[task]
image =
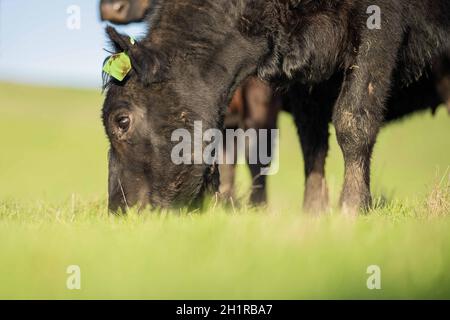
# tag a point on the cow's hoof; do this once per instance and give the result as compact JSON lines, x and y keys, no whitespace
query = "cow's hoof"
{"x":317,"y":207}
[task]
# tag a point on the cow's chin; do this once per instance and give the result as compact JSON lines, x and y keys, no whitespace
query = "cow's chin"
{"x":180,"y":187}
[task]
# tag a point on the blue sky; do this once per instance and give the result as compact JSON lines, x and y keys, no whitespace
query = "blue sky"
{"x":36,"y":46}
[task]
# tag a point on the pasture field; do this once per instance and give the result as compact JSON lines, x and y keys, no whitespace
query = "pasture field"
{"x":53,"y":214}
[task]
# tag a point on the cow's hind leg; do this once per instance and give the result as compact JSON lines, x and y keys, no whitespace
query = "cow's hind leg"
{"x":312,"y":114}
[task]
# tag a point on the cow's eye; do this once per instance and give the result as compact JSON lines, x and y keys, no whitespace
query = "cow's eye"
{"x":123,"y":122}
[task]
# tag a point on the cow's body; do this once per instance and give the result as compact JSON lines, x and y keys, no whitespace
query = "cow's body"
{"x":318,"y":50}
{"x":382,"y":74}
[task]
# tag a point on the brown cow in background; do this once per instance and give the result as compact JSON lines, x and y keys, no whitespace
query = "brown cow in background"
{"x":254,"y":104}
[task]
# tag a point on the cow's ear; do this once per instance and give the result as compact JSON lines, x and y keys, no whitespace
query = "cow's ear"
{"x":120,"y":42}
{"x":149,"y":64}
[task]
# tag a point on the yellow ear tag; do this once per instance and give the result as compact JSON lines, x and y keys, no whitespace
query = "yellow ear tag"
{"x":118,"y":66}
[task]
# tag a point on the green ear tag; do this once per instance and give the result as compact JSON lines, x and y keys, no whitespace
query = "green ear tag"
{"x":118,"y":66}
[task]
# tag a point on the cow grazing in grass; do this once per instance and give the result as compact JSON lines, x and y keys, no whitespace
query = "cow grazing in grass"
{"x":198,"y":53}
{"x":254,"y":105}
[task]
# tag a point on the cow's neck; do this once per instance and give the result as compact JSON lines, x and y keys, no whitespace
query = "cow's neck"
{"x":212,"y":54}
{"x":214,"y":80}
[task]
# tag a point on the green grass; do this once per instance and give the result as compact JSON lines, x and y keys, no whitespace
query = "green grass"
{"x":53,"y":214}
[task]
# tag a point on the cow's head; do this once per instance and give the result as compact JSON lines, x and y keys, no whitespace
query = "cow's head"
{"x":124,"y":11}
{"x":140,"y":116}
{"x":184,"y":72}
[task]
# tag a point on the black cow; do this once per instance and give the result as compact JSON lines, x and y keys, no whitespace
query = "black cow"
{"x":254,"y":106}
{"x":198,"y":52}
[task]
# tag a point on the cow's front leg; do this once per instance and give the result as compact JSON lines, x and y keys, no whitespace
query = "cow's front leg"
{"x":357,"y":117}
